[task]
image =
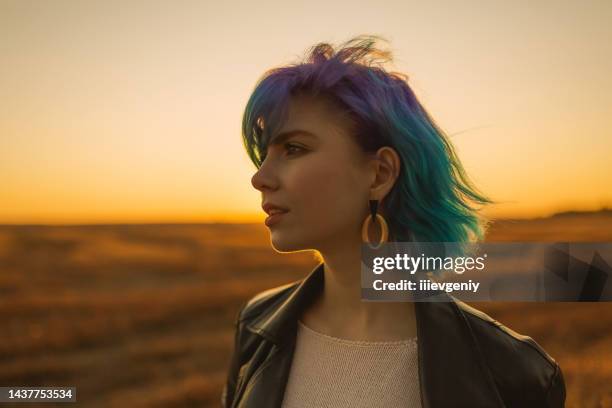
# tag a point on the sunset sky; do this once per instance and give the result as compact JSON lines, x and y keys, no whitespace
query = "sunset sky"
{"x":130,"y":111}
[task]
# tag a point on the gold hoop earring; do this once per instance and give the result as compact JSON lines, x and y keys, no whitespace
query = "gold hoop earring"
{"x":384,"y":229}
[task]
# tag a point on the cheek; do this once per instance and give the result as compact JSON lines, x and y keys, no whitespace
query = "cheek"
{"x":330,"y":194}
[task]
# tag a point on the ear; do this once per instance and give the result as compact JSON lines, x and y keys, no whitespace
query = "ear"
{"x":387,"y":168}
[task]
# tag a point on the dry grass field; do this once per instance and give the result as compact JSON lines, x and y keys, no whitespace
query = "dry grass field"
{"x":141,"y":315}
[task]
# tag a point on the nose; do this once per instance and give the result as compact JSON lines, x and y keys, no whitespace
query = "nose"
{"x":264,"y":179}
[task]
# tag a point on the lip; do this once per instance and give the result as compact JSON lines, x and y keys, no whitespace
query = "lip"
{"x":274,"y":218}
{"x":267,"y":207}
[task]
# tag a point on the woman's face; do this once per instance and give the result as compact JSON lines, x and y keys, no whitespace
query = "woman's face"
{"x":315,"y":170}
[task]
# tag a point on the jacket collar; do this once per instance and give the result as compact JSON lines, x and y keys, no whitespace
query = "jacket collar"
{"x":452,"y":368}
{"x":280,"y":325}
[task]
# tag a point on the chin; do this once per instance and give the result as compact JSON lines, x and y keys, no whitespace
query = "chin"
{"x":282,"y":243}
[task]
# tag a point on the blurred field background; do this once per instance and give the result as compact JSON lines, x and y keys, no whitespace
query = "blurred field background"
{"x":142,"y":315}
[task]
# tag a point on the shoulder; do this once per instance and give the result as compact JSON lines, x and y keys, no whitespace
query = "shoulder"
{"x":524,"y":372}
{"x":266,"y":300}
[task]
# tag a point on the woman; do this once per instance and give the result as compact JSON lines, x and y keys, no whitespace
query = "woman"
{"x":329,"y":136}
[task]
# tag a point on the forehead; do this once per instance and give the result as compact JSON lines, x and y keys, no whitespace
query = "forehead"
{"x":317,"y":115}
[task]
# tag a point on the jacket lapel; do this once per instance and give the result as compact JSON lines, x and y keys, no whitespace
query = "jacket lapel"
{"x":279,"y":328}
{"x":267,"y":386}
{"x":452,"y":370}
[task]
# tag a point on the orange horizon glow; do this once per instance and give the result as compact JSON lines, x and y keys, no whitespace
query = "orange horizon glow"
{"x":253,"y":218}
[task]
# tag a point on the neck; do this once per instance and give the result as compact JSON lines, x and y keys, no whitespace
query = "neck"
{"x":340,"y":312}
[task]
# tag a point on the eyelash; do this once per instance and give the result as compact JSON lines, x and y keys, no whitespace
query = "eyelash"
{"x":287,"y":146}
{"x":291,"y":145}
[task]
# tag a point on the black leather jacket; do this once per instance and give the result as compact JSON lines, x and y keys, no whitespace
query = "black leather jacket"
{"x":466,"y":358}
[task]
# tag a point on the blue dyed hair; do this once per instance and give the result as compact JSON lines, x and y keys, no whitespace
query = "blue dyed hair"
{"x":432,"y":200}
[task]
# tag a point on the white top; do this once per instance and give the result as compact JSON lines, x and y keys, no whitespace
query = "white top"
{"x":330,"y":372}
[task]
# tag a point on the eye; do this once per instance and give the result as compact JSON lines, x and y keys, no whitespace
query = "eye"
{"x":293,"y":148}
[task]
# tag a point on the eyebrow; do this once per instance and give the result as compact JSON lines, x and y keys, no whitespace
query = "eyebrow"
{"x":283,"y":136}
